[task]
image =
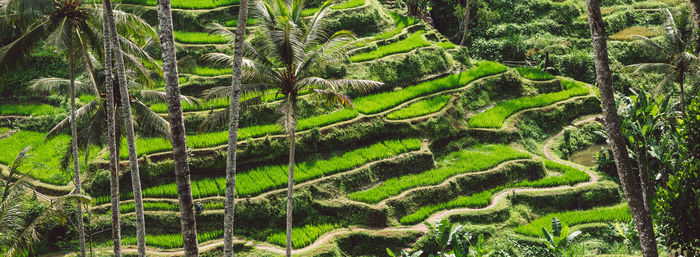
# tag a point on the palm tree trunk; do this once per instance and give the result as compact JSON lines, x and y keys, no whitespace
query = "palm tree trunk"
{"x":695,"y":8}
{"x":629,"y":182}
{"x":466,"y":24}
{"x":74,"y":146}
{"x":681,"y":81}
{"x":230,"y":205}
{"x":112,"y":141}
{"x":130,"y":138}
{"x":643,"y":176}
{"x":290,"y":186}
{"x":177,"y":129}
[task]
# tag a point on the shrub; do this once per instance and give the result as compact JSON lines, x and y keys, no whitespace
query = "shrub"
{"x":570,"y":218}
{"x":409,"y":68}
{"x":420,"y":108}
{"x":472,"y":160}
{"x":382,"y":101}
{"x":416,"y":40}
{"x":301,"y":237}
{"x":199,"y":38}
{"x":534,"y":74}
{"x":494,"y":117}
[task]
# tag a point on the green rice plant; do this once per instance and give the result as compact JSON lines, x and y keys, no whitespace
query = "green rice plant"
{"x":211,"y":139}
{"x":445,"y":45}
{"x":401,"y":23}
{"x":383,"y":101}
{"x":151,"y":206}
{"x":234,"y":23}
{"x":28,"y":109}
{"x":494,"y":117}
{"x":618,"y":213}
{"x":170,"y":241}
{"x":44,"y":161}
{"x":180,"y":4}
{"x":570,"y":176}
{"x":631,"y":33}
{"x":302,"y":237}
{"x":534,"y":74}
{"x":414,"y":41}
{"x":210,"y":72}
{"x":4,"y":130}
{"x":215,"y":103}
{"x":420,"y":108}
{"x":199,"y":38}
{"x":479,"y":158}
{"x":344,"y":5}
{"x":86,"y":98}
{"x":264,"y":178}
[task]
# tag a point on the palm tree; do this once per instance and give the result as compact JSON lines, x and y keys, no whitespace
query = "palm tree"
{"x":234,"y":110}
{"x":20,"y":230}
{"x":695,"y":6}
{"x":188,"y":223}
{"x":630,"y":183}
{"x":285,"y":60}
{"x":680,"y":65}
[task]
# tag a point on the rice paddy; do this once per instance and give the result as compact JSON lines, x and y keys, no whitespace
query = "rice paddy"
{"x":494,"y":117}
{"x":401,"y":23}
{"x":414,"y":41}
{"x":631,"y":33}
{"x":234,"y":23}
{"x":344,"y":5}
{"x":170,"y":241}
{"x":420,"y":108}
{"x":184,"y":4}
{"x":534,"y":74}
{"x":476,"y":159}
{"x":28,"y":109}
{"x":618,"y":212}
{"x":199,"y":38}
{"x":570,"y":176}
{"x":210,"y":72}
{"x":445,"y":45}
{"x":383,"y":101}
{"x":302,"y":237}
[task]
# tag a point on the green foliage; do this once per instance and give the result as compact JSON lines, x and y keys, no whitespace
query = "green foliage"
{"x":534,"y":74}
{"x":476,"y":159}
{"x":414,"y":41}
{"x":559,"y":238}
{"x":199,"y":38}
{"x":494,"y":117}
{"x":570,"y":176}
{"x":445,"y":45}
{"x":410,"y":68}
{"x":301,"y":237}
{"x":28,"y":109}
{"x":208,"y":71}
{"x":382,"y":101}
{"x":183,"y":4}
{"x":401,"y":23}
{"x":234,"y":23}
{"x":211,"y":139}
{"x":170,"y":241}
{"x":420,"y":108}
{"x":615,"y":213}
{"x":345,"y":5}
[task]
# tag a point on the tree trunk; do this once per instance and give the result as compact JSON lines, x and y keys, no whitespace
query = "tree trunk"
{"x":177,"y":129}
{"x":290,"y":185}
{"x":230,"y":205}
{"x":128,"y":122}
{"x":74,"y":146}
{"x":629,"y":182}
{"x":466,"y":24}
{"x":643,"y":176}
{"x":112,"y":141}
{"x":695,"y":8}
{"x":681,"y":81}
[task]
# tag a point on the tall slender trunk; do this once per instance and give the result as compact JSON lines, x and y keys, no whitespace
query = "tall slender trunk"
{"x":74,"y":146}
{"x":177,"y":129}
{"x":695,"y":8}
{"x":234,"y":110}
{"x":643,"y":176}
{"x":112,"y":141}
{"x":466,"y":24}
{"x":129,"y":127}
{"x":290,"y":186}
{"x":681,"y":81}
{"x":629,"y":182}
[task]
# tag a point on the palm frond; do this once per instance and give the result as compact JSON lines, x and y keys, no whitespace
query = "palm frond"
{"x":654,"y":46}
{"x":361,"y":86}
{"x":83,"y":113}
{"x":288,"y":118}
{"x":59,"y":85}
{"x":648,"y":67}
{"x":150,"y":120}
{"x":160,"y":96}
{"x":332,"y":97}
{"x":16,"y":52}
{"x":218,"y":29}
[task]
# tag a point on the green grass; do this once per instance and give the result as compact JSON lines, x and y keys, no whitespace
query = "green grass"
{"x":181,"y":4}
{"x":301,"y":237}
{"x":420,"y":108}
{"x":215,"y":103}
{"x":212,"y":139}
{"x":383,"y":101}
{"x":169,"y":241}
{"x":568,"y":176}
{"x":199,"y":38}
{"x":234,"y":23}
{"x":401,"y":23}
{"x":414,"y":41}
{"x":28,"y":109}
{"x":210,"y":72}
{"x":4,"y":130}
{"x":619,"y":212}
{"x":494,"y":117}
{"x":265,"y":178}
{"x":534,"y":74}
{"x":445,"y":45}
{"x":44,"y":160}
{"x":345,"y":5}
{"x":476,"y":159}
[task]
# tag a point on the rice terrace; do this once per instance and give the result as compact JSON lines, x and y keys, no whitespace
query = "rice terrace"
{"x":402,"y":128}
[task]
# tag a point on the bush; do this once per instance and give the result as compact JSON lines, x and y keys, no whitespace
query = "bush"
{"x":570,"y":218}
{"x":411,"y":67}
{"x":362,"y":23}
